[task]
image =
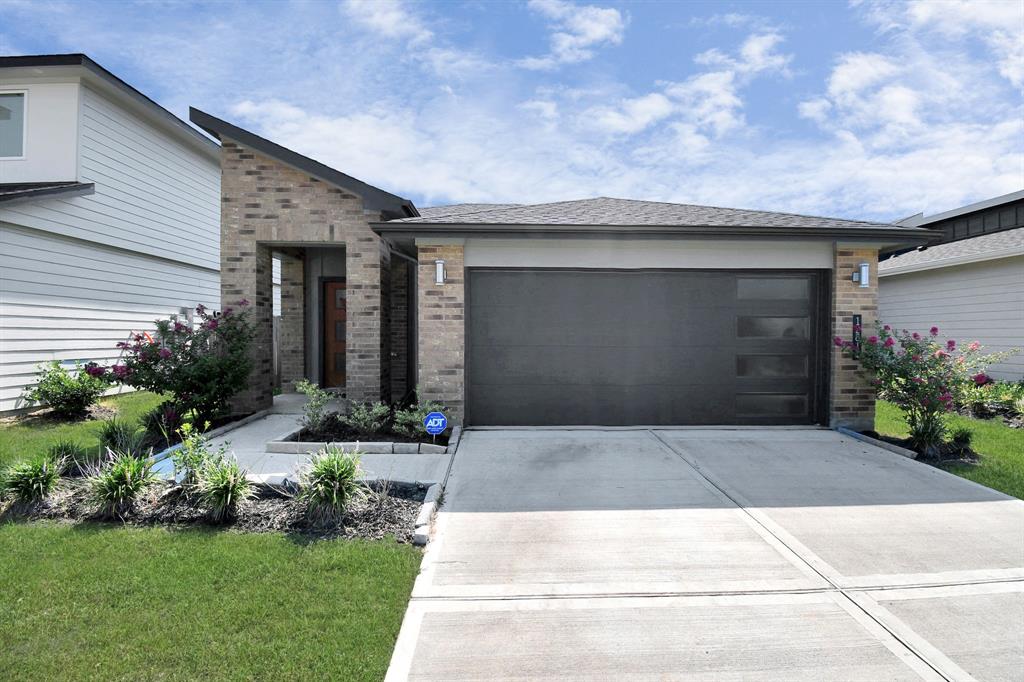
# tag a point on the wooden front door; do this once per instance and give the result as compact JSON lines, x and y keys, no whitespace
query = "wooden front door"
{"x":334,"y":333}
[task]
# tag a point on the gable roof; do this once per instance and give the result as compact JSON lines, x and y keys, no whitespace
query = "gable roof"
{"x":374,"y":198}
{"x":609,"y":217}
{"x":26,"y":191}
{"x":981,"y":248}
{"x":631,"y":212}
{"x":100,"y":77}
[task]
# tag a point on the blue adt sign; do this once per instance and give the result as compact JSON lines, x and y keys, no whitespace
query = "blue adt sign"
{"x":435,"y":423}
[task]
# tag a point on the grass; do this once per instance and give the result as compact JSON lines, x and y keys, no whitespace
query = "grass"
{"x":1001,"y":448}
{"x":30,"y":435}
{"x":120,"y":603}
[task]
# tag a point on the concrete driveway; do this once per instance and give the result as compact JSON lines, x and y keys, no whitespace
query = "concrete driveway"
{"x":712,"y":554}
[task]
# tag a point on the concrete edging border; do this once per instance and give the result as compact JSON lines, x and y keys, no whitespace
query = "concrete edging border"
{"x":283,"y":445}
{"x":896,"y":449}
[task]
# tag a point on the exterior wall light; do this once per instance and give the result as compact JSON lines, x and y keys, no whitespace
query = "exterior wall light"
{"x":439,"y":272}
{"x":863,"y":275}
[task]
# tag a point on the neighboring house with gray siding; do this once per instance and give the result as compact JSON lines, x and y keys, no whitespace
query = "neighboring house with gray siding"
{"x":971,"y":285}
{"x":109,"y":215}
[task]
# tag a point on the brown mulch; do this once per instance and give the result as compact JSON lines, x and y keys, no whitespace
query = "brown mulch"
{"x":339,"y":433}
{"x":379,"y":513}
{"x":949,"y":453}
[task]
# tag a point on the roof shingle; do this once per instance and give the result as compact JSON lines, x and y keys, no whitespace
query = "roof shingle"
{"x":1008,"y":242}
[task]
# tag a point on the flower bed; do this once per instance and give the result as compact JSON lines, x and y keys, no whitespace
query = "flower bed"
{"x":384,"y":510}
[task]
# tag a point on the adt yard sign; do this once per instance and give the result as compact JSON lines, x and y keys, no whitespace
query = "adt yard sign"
{"x":435,"y":423}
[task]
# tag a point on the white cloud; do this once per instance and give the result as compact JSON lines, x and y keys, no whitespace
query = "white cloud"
{"x":577,"y":30}
{"x":389,"y":18}
{"x":630,"y":115}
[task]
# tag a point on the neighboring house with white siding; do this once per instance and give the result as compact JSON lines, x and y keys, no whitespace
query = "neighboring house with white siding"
{"x":109,"y":215}
{"x":971,"y":285}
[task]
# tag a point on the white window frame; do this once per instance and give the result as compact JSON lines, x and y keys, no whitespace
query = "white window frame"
{"x":24,"y":127}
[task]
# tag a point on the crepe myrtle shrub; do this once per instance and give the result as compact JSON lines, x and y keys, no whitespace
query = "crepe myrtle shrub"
{"x":70,"y":394}
{"x":330,"y":483}
{"x":921,"y":374}
{"x":202,"y":366}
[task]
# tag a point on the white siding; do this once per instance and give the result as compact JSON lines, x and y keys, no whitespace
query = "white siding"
{"x":51,"y":133}
{"x":65,"y":299}
{"x":154,"y":195}
{"x":977,"y":302}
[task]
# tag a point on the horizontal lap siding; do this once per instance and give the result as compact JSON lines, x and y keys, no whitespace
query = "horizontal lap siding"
{"x":64,"y":299}
{"x":976,"y":302}
{"x":153,"y":194}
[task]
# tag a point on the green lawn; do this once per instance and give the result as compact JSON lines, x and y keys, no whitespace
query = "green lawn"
{"x":30,"y":434}
{"x":1001,"y":448}
{"x":121,"y":603}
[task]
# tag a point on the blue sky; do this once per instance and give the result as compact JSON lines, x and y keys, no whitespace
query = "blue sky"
{"x":867,"y":110}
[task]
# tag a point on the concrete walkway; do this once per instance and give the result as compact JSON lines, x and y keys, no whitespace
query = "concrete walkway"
{"x":712,"y":554}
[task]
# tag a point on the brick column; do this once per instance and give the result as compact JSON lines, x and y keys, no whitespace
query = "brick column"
{"x":442,"y":343}
{"x":366,"y":334}
{"x":399,"y":327}
{"x":852,"y":397}
{"x":292,"y":338}
{"x":246,"y":274}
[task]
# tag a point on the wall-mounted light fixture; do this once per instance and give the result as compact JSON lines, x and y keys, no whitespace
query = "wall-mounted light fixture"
{"x":439,"y":272}
{"x":863,"y":275}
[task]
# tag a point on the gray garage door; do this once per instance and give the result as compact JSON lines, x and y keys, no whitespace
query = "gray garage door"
{"x":550,"y":347}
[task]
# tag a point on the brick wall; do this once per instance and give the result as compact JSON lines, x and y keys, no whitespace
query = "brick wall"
{"x":399,"y":327}
{"x":292,"y":333}
{"x":441,"y":330}
{"x":852,"y":399}
{"x":265,"y":202}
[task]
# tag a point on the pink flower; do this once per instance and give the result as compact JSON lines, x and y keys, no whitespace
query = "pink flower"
{"x":974,"y":345}
{"x":916,"y":336}
{"x":212,"y":324}
{"x":94,"y":370}
{"x":951,"y":344}
{"x":838,"y":341}
{"x":981,"y":378}
{"x":918,"y":380}
{"x":941,"y":354}
{"x":887,"y":328}
{"x":179,"y":327}
{"x":934,"y":331}
{"x":244,"y":302}
{"x":915,"y":358}
{"x":120,"y":371}
{"x":872,"y":340}
{"x":165,"y":353}
{"x":889,"y":342}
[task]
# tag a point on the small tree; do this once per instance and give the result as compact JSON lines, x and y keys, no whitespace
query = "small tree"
{"x":201,"y":366}
{"x":921,"y":375}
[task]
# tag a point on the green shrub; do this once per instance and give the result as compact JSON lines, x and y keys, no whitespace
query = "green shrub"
{"x":161,"y":424}
{"x":32,"y":479}
{"x":222,"y":485}
{"x":194,"y":454}
{"x":409,"y":421}
{"x":115,"y":486}
{"x":69,"y":394}
{"x":74,"y":455}
{"x":330,"y":483}
{"x":314,"y":412}
{"x":119,"y":435}
{"x":961,"y":438}
{"x":367,"y":418}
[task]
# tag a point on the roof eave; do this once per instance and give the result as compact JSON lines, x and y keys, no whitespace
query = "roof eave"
{"x":948,"y":262}
{"x":896,"y":235}
{"x":77,"y":190}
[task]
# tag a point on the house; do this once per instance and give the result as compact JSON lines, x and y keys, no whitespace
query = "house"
{"x":109,"y":215}
{"x":599,"y":311}
{"x":970,"y":284}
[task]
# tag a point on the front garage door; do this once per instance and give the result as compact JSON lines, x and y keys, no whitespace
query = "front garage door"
{"x":550,"y":347}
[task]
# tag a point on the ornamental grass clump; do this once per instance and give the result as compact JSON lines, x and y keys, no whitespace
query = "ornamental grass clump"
{"x":922,"y":375}
{"x":116,"y":485}
{"x":76,"y":458}
{"x":32,"y":479}
{"x":331,"y":482}
{"x":222,"y":486}
{"x":119,"y":435}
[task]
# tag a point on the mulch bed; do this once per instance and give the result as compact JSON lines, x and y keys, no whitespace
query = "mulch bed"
{"x":338,"y":432}
{"x":1010,"y":418}
{"x":949,"y":453}
{"x":380,"y":513}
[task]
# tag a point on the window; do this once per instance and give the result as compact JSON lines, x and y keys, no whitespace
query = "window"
{"x":773,"y":327}
{"x":12,"y":124}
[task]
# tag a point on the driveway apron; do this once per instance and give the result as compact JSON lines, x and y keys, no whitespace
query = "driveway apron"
{"x":712,"y":554}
